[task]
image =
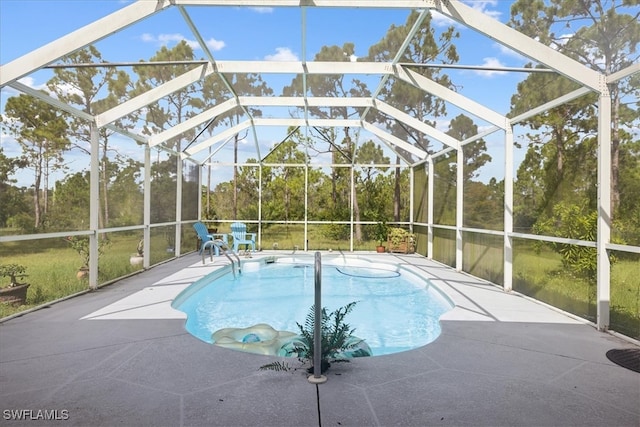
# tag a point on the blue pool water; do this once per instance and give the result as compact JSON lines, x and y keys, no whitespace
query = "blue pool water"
{"x":396,"y":309}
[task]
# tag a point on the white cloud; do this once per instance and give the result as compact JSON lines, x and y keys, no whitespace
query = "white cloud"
{"x":511,"y":53}
{"x":443,"y":125}
{"x":490,"y":63}
{"x":215,"y":45}
{"x":147,"y":38}
{"x":29,"y":81}
{"x":262,"y":9}
{"x":482,"y":6}
{"x":282,"y":54}
{"x":67,"y":89}
{"x":165,"y":39}
{"x":562,"y":40}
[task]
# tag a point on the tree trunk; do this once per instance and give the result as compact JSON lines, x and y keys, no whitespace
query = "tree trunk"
{"x":104,"y":217}
{"x":396,"y":192}
{"x":45,"y":194}
{"x":235,"y":177}
{"x":36,"y":191}
{"x":356,"y":208}
{"x":615,"y":149}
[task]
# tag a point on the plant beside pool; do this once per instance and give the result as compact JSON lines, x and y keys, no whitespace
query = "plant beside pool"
{"x":338,"y":344}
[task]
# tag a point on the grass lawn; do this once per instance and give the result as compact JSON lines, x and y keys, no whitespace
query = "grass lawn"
{"x":52,"y":266}
{"x":542,"y":276}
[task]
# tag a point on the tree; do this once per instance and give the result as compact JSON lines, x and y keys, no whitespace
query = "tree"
{"x":216,"y":90}
{"x":283,"y":187}
{"x":164,"y":114}
{"x":558,"y":132}
{"x":81,"y":86}
{"x":475,"y":154}
{"x":483,"y":206}
{"x":604,"y":35}
{"x":335,"y":85}
{"x":41,"y":132}
{"x":70,"y":210}
{"x":126,"y":193}
{"x":425,"y":47}
{"x":371,"y":184}
{"x":11,"y":200}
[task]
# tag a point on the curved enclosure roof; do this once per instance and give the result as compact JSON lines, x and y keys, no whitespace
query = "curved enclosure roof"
{"x":316,"y":81}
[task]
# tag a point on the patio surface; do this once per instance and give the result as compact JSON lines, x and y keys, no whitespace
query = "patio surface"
{"x":120,"y":356}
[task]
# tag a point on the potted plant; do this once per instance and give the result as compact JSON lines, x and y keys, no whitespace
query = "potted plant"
{"x":15,"y":292}
{"x":380,"y":235}
{"x":401,"y":241}
{"x":137,"y":258}
{"x":81,"y":245}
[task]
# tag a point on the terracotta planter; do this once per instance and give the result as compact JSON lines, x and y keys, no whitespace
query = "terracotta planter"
{"x":136,"y":260}
{"x":82,"y":273}
{"x":14,"y":295}
{"x":380,"y":249}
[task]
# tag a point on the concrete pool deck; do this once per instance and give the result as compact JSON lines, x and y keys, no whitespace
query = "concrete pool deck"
{"x":121,"y":356}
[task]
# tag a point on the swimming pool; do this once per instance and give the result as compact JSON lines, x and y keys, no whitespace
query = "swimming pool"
{"x":397,"y":310}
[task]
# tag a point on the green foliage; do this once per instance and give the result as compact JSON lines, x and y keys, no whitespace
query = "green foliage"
{"x":337,"y":338}
{"x":12,"y":201}
{"x":336,"y":334}
{"x":540,"y":273}
{"x":13,"y":271}
{"x":80,"y":244}
{"x":573,"y":222}
{"x":381,"y":231}
{"x":397,"y":235}
{"x":336,"y":231}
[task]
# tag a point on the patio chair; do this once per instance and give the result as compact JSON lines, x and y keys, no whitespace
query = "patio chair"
{"x":241,"y":237}
{"x":205,"y":237}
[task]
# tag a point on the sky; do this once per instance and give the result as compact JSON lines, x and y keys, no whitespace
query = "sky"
{"x":272,"y":34}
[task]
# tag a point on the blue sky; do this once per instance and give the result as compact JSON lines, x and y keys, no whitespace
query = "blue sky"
{"x":253,"y":34}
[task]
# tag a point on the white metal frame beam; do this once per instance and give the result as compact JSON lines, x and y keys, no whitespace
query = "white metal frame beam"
{"x":80,"y":38}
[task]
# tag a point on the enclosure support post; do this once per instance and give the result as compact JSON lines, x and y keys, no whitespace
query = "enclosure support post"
{"x":147,"y":207}
{"x":306,"y":207}
{"x":260,"y":206}
{"x":508,"y":208}
{"x":604,"y":207}
{"x":411,"y":191}
{"x":94,"y":206}
{"x":200,"y":192}
{"x":430,"y":186}
{"x":351,"y":207}
{"x":459,"y":206}
{"x":317,"y":325}
{"x":178,"y":230}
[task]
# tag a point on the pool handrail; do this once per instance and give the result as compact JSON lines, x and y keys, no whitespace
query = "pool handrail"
{"x":317,"y":376}
{"x":223,"y":249}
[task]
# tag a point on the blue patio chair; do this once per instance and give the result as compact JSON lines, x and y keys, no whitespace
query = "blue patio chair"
{"x":205,"y":236}
{"x":241,"y":237}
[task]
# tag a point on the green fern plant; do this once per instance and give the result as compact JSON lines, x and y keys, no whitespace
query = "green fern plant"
{"x":336,"y":338}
